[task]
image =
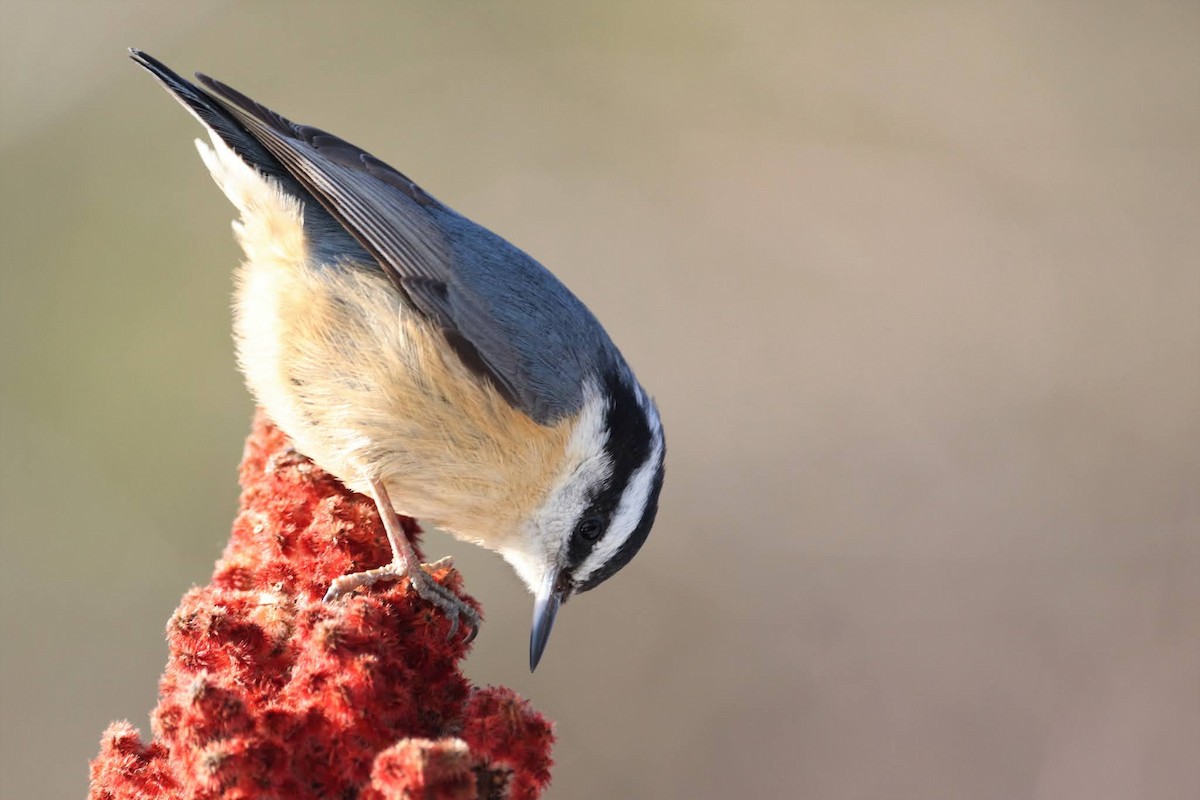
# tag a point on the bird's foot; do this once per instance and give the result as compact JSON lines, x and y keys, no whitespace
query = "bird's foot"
{"x":348,"y":583}
{"x":453,"y":606}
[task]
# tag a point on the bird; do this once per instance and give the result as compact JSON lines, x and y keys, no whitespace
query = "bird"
{"x":426,"y":362}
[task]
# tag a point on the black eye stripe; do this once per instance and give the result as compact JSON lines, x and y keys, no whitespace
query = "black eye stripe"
{"x":628,"y":447}
{"x":631,"y":545}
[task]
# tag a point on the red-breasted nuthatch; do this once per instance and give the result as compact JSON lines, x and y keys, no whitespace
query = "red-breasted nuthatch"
{"x":426,"y":362}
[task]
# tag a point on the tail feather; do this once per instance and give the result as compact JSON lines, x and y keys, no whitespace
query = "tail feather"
{"x":327,"y":239}
{"x":213,"y":116}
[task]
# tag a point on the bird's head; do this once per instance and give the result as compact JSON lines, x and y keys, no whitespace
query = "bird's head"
{"x":599,"y":510}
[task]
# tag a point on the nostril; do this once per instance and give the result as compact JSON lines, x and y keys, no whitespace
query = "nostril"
{"x":563,"y":586}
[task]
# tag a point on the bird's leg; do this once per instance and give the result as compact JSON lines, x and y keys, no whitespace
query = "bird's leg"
{"x":404,"y":563}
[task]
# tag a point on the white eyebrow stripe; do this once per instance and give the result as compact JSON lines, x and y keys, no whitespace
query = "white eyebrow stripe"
{"x":629,"y":514}
{"x":647,"y":405}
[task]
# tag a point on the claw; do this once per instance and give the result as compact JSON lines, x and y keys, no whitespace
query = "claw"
{"x":421,"y":581}
{"x":348,"y":583}
{"x":451,"y":604}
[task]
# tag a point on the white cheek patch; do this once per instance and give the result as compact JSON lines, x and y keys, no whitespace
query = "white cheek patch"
{"x":629,"y":513}
{"x":585,"y":467}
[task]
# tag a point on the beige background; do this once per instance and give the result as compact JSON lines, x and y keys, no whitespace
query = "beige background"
{"x":916,"y":286}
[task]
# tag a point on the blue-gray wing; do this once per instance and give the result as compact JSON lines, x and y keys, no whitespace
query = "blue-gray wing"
{"x":502,"y":312}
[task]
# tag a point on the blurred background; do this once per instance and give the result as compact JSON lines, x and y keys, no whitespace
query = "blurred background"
{"x":917,"y":286}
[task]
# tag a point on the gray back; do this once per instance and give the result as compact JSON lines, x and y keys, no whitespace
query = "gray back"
{"x":505,"y":313}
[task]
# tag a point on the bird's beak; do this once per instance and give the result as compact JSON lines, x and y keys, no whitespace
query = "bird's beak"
{"x":545,"y":608}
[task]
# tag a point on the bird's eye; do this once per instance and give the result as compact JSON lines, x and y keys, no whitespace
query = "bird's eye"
{"x":590,"y":528}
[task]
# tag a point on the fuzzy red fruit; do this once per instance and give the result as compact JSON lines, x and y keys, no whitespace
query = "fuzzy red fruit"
{"x":271,"y":693}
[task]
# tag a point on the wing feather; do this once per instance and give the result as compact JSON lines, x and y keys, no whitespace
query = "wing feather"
{"x":507,"y":317}
{"x":378,"y":205}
